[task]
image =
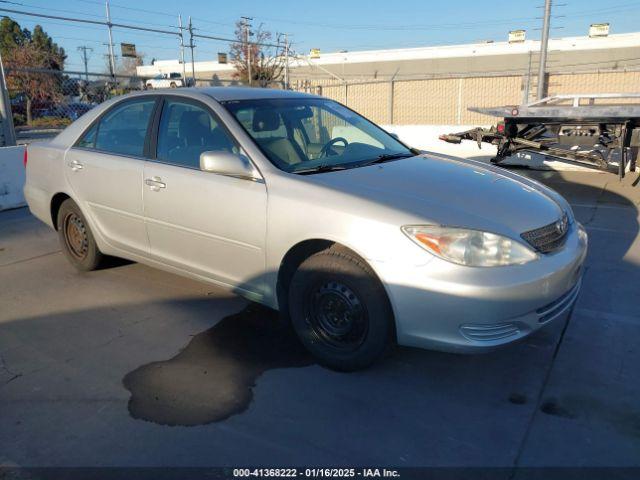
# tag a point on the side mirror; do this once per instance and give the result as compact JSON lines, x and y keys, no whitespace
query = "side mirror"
{"x":229,"y":164}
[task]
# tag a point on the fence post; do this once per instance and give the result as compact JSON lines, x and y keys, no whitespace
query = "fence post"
{"x":391,"y":85}
{"x":459,"y":110}
{"x":8,"y":131}
{"x":346,"y":93}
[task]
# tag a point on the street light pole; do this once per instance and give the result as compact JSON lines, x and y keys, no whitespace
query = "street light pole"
{"x":543,"y":49}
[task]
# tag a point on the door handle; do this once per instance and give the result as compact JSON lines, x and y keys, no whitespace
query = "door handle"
{"x":155,"y":183}
{"x":75,"y":165}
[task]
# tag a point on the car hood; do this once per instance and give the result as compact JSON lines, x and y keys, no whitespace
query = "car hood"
{"x":450,"y":191}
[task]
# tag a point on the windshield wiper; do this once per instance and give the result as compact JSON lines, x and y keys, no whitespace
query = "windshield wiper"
{"x":386,"y":157}
{"x":319,"y":169}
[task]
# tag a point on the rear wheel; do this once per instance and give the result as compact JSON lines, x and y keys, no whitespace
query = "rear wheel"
{"x":173,"y":85}
{"x":340,"y":310}
{"x":76,"y":238}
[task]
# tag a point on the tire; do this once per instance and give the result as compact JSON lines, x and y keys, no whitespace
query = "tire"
{"x":340,"y":310}
{"x":173,"y":85}
{"x":76,"y":238}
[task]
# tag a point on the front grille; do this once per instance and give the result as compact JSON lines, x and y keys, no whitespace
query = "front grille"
{"x":548,"y":238}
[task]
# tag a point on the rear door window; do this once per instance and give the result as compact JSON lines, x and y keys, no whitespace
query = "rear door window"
{"x":123,"y":129}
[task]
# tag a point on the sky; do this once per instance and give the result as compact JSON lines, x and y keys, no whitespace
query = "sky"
{"x":330,"y":25}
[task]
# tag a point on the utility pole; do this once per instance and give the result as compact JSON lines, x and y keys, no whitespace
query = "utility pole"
{"x":112,"y":60}
{"x":246,"y":26}
{"x":192,"y":46}
{"x":182,"y":59}
{"x":286,"y":61}
{"x":543,"y":48}
{"x":85,"y":60}
{"x":8,"y":133}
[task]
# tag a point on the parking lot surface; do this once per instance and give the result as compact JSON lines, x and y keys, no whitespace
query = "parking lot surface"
{"x":131,"y":366}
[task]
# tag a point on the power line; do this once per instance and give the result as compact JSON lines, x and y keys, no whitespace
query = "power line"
{"x":85,"y":20}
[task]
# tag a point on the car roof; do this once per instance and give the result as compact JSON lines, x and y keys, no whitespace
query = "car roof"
{"x":223,"y":94}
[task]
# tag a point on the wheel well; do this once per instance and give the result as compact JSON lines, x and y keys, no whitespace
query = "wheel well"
{"x":294,"y":258}
{"x":290,"y":263}
{"x":56,"y":201}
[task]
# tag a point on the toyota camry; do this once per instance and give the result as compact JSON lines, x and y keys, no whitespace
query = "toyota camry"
{"x":299,"y":203}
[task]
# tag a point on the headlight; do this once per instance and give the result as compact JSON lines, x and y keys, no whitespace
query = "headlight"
{"x":472,"y":248}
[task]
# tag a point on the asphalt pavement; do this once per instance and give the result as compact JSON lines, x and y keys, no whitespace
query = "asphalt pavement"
{"x":130,"y":366}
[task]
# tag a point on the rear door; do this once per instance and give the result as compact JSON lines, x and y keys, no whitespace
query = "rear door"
{"x":105,"y":170}
{"x":209,"y":224}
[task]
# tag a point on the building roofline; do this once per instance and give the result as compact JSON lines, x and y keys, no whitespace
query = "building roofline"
{"x":565,"y":44}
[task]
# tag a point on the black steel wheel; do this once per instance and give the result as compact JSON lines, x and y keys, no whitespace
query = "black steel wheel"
{"x":340,"y":310}
{"x":336,"y":315}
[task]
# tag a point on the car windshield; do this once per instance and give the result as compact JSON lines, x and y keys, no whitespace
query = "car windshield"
{"x":312,"y":135}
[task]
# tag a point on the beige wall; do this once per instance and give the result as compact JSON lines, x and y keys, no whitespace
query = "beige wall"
{"x":446,"y":100}
{"x":598,"y":82}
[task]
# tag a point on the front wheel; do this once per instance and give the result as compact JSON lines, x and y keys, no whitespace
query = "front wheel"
{"x":340,"y":310}
{"x":76,"y":238}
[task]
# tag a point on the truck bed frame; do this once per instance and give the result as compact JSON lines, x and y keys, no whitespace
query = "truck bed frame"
{"x":585,"y":128}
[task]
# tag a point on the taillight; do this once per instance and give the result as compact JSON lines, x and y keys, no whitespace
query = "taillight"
{"x":25,"y":157}
{"x":500,"y":127}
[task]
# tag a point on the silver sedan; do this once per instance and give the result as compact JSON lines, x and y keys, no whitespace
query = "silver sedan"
{"x":297,"y":202}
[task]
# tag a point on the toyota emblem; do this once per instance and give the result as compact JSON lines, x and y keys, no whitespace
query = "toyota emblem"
{"x":561,"y":225}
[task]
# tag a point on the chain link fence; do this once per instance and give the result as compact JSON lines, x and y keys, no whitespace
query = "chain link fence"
{"x":445,"y":100}
{"x":43,"y":102}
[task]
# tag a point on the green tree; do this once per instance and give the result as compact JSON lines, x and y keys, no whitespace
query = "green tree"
{"x":55,"y":55}
{"x":12,"y":35}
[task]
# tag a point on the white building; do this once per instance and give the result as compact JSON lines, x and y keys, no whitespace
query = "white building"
{"x":570,"y":54}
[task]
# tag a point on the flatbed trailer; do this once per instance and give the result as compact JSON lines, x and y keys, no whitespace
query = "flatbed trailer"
{"x":586,"y":129}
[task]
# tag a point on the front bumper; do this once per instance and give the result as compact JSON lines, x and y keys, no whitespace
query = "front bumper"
{"x":448,"y":307}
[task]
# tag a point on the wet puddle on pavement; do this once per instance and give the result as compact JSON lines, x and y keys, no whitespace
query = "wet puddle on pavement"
{"x":213,"y":376}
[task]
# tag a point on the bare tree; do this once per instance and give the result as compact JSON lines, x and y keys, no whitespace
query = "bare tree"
{"x":266,"y":63}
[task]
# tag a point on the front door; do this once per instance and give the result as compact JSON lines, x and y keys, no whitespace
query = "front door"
{"x":105,"y":170}
{"x":209,"y":224}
